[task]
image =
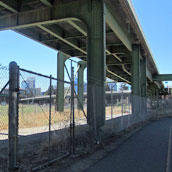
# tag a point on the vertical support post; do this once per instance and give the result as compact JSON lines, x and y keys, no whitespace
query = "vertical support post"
{"x":136,"y":79}
{"x":72,"y":116}
{"x":17,"y":118}
{"x":13,"y":112}
{"x":111,"y":101}
{"x":143,"y":81}
{"x":50,"y":103}
{"x":96,"y":63}
{"x":122,"y":107}
{"x":81,"y":84}
{"x":61,"y":58}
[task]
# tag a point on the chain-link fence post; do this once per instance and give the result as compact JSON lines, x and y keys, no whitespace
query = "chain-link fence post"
{"x":111,"y":101}
{"x":122,"y":108}
{"x":94,"y":113}
{"x":13,"y":114}
{"x":72,"y":116}
{"x":49,"y":133}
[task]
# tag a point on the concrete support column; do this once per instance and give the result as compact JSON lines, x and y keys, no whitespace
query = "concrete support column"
{"x":143,"y":80}
{"x":96,"y":64}
{"x":61,"y":58}
{"x":136,"y":79}
{"x":82,"y":66}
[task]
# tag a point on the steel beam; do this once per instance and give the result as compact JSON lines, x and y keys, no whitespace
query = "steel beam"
{"x":83,"y":31}
{"x":78,"y":27}
{"x":96,"y":64}
{"x":112,"y":23}
{"x":162,"y":77}
{"x":10,"y":5}
{"x":62,"y":12}
{"x":118,"y":76}
{"x":54,"y":31}
{"x":46,"y":2}
{"x":149,"y":75}
{"x":136,"y":79}
{"x":82,"y":66}
{"x":143,"y":80}
{"x":61,"y":58}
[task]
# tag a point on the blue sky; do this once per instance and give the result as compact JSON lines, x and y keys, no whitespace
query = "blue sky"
{"x":155,"y":18}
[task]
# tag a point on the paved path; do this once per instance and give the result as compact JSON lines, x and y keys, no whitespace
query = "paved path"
{"x":149,"y":150}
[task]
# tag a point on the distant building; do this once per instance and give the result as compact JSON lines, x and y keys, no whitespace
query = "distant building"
{"x":31,"y":82}
{"x":23,"y":85}
{"x":30,"y":87}
{"x":37,"y":92}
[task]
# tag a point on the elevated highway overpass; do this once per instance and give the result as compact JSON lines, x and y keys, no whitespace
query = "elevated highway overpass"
{"x":46,"y":98}
{"x":105,"y":34}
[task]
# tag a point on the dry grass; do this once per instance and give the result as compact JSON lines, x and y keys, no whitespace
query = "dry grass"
{"x":37,"y":116}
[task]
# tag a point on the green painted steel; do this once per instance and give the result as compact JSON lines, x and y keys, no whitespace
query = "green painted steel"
{"x":143,"y":80}
{"x":58,"y":34}
{"x":136,"y":90}
{"x":117,"y":29}
{"x":163,"y":77}
{"x":61,"y":58}
{"x":82,"y":66}
{"x":46,"y":2}
{"x":96,"y":63}
{"x":148,"y":74}
{"x":10,"y":5}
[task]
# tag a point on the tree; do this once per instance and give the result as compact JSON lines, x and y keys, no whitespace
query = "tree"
{"x":53,"y":90}
{"x":124,"y":86}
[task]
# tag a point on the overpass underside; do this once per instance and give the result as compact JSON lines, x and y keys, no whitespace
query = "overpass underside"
{"x":104,"y":34}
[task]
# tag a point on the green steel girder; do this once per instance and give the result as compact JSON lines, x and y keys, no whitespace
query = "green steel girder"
{"x":76,"y":10}
{"x":81,"y":29}
{"x":60,"y":84}
{"x":46,"y":2}
{"x":82,"y":66}
{"x":48,"y":15}
{"x":111,"y":61}
{"x":9,"y":5}
{"x":117,"y":76}
{"x":143,"y":78}
{"x":96,"y":62}
{"x":162,"y":77}
{"x":113,"y":24}
{"x":136,"y":70}
{"x":56,"y":32}
{"x":148,"y":74}
{"x":136,"y":82}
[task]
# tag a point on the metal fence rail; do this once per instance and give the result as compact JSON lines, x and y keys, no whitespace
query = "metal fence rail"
{"x":44,"y":133}
{"x":39,"y":134}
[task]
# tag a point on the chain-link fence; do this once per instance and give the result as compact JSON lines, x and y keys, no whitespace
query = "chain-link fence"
{"x":43,"y":127}
{"x":45,"y":121}
{"x":4,"y":78}
{"x":118,"y":103}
